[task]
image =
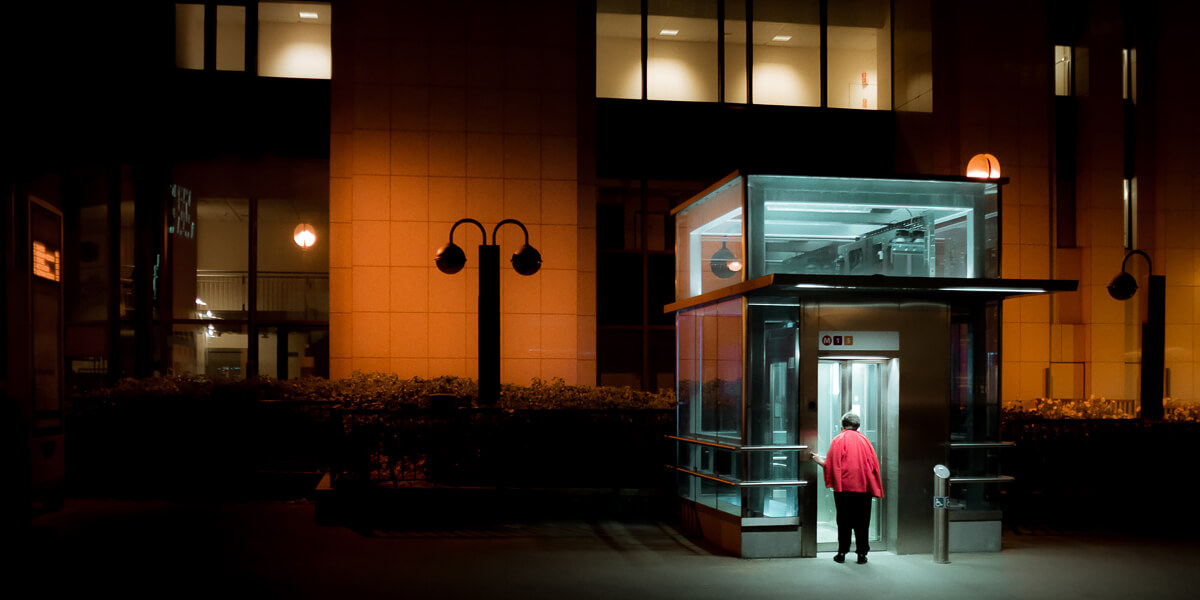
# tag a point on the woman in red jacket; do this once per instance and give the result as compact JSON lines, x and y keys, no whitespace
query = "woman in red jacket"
{"x":852,"y":471}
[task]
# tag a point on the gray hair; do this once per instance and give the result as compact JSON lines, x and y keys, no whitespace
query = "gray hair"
{"x":851,"y":421}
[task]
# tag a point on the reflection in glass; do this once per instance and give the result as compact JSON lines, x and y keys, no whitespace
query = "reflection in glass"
{"x":787,"y":53}
{"x":291,"y":352}
{"x":215,"y":349}
{"x":222,"y":259}
{"x":859,"y":55}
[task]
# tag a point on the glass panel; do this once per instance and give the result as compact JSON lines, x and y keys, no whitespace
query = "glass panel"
{"x":619,"y":49}
{"x":214,"y":349}
{"x":787,"y":52}
{"x":912,"y":64}
{"x":772,"y":414}
{"x":189,"y":36}
{"x":859,"y":53}
{"x":231,"y":38}
{"x":305,"y":352}
{"x":293,"y":279}
{"x":1062,"y":70}
{"x":710,"y":372}
{"x":833,"y":226}
{"x":87,"y":255}
{"x":681,"y":51}
{"x":709,"y":225}
{"x":735,"y":51}
{"x":222,"y":258}
{"x":293,"y":39}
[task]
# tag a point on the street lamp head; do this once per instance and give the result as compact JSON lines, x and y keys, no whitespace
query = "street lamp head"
{"x":450,"y":258}
{"x":1123,"y":286}
{"x":527,"y":260}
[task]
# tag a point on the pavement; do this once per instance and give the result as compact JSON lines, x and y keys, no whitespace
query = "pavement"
{"x":96,"y":548}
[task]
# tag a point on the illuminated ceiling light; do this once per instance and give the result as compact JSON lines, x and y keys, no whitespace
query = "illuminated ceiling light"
{"x":669,"y":32}
{"x":983,"y":166}
{"x":308,"y":15}
{"x":304,"y":235}
{"x":813,"y":286}
{"x":782,"y":38}
{"x":200,"y":302}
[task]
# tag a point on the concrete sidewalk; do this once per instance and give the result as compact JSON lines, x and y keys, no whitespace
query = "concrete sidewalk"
{"x":138,"y":549}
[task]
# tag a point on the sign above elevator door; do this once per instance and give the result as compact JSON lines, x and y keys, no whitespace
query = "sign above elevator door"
{"x":875,"y":341}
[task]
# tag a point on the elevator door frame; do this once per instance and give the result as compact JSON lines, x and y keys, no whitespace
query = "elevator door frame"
{"x":888,"y":364}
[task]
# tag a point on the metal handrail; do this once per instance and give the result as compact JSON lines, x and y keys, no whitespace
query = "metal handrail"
{"x":983,"y":479}
{"x":744,"y":448}
{"x":793,"y":483}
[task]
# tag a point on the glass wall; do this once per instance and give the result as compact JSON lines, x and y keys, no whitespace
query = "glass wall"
{"x":710,"y":403}
{"x":697,"y":52}
{"x":859,"y":41}
{"x":787,"y":52}
{"x":294,"y":39}
{"x":681,"y":51}
{"x":709,"y":254}
{"x":832,"y":226}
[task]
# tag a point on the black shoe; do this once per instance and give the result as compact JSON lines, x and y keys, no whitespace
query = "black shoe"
{"x":840,"y":557}
{"x":862,"y":559}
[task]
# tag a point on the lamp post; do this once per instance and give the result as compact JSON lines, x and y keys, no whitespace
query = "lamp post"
{"x":1123,"y":287}
{"x":450,"y":259}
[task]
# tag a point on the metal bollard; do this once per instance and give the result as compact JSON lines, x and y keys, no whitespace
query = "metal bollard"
{"x":941,"y":515}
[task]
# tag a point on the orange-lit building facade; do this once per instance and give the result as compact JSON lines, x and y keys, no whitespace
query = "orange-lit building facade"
{"x":588,"y":121}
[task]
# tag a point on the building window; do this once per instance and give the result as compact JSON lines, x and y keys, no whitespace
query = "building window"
{"x":1129,"y":74}
{"x":231,"y":38}
{"x":294,"y":39}
{"x":1064,"y":71}
{"x":859,"y":42}
{"x":663,"y":50}
{"x":681,"y":51}
{"x":1130,"y":212}
{"x":189,"y":36}
{"x":787,"y":53}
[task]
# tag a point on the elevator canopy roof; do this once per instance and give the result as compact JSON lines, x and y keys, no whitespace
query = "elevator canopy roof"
{"x":948,"y":290}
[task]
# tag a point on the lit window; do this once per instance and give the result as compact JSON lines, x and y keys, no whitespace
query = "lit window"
{"x":231,"y":38}
{"x":787,"y":53}
{"x":681,"y":54}
{"x":1063,"y":71}
{"x":618,"y":49}
{"x":294,"y":39}
{"x":189,"y":36}
{"x":1129,"y":74}
{"x":859,"y":55}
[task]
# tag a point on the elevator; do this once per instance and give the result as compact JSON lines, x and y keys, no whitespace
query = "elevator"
{"x":878,"y":297}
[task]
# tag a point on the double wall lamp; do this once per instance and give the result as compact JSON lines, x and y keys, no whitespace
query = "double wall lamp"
{"x":450,"y":259}
{"x":1123,"y":287}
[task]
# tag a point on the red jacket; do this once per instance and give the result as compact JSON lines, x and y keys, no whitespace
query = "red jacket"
{"x":852,"y":466}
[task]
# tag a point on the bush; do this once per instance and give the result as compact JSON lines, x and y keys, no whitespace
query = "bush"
{"x":1095,"y":407}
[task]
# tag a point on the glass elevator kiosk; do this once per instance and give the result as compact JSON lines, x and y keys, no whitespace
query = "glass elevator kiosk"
{"x":801,"y":298}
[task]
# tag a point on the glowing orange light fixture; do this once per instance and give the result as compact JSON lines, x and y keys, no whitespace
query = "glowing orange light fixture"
{"x":983,"y":166}
{"x":304,"y":235}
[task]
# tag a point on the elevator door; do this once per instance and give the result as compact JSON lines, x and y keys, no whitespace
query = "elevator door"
{"x":858,"y":386}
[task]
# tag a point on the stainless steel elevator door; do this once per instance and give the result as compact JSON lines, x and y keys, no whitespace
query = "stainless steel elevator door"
{"x":844,"y":386}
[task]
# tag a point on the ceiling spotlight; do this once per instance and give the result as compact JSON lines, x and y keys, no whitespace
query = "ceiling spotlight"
{"x":669,"y":32}
{"x":782,"y":38}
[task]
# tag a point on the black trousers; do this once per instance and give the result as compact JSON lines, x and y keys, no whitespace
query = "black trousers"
{"x":853,"y":514}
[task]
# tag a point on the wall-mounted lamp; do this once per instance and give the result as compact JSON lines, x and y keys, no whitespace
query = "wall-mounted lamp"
{"x":723,"y":263}
{"x":304,"y":235}
{"x":1123,"y":287}
{"x":983,"y":166}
